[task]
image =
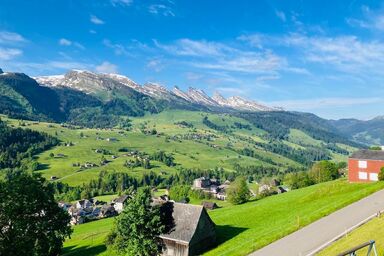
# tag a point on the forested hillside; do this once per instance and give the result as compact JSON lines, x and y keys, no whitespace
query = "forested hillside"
{"x":370,"y":132}
{"x":17,"y":146}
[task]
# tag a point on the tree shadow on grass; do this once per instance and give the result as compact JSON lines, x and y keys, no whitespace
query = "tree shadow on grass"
{"x":84,"y":250}
{"x":227,"y":232}
{"x":43,"y":167}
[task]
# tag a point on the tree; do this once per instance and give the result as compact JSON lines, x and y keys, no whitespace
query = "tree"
{"x":31,"y":221}
{"x":238,"y":191}
{"x":137,"y":228}
{"x":298,"y":180}
{"x":324,"y":171}
{"x":381,"y":174}
{"x":179,"y":193}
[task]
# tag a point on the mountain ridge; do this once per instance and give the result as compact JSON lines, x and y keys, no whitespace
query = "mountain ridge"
{"x":80,"y":79}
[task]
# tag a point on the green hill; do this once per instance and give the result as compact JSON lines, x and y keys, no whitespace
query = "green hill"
{"x":195,"y":139}
{"x":244,"y":228}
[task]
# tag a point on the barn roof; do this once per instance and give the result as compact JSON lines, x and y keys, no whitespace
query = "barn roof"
{"x":186,"y":218}
{"x":121,"y":199}
{"x":368,"y":154}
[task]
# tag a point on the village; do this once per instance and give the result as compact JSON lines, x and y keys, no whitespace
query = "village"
{"x":91,"y":209}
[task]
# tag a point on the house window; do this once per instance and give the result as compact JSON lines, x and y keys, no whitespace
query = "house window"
{"x":363,"y":164}
{"x":373,"y":177}
{"x":363,"y":175}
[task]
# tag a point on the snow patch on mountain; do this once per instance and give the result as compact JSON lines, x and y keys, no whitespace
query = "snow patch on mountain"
{"x":90,"y":82}
{"x":199,"y":96}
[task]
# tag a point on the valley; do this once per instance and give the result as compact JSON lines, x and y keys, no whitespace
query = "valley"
{"x":112,"y":135}
{"x":194,"y":147}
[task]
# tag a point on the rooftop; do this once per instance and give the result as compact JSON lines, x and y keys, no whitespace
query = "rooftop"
{"x":368,"y":154}
{"x":186,"y":218}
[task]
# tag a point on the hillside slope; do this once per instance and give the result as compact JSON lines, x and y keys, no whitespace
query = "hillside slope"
{"x":195,"y":139}
{"x":242,"y":229}
{"x":370,"y":132}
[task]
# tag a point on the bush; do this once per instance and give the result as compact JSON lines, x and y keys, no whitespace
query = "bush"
{"x":180,"y":193}
{"x":381,"y":174}
{"x":298,"y":180}
{"x":324,"y":171}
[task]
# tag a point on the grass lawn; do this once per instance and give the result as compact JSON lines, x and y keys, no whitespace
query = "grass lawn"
{"x":244,"y":228}
{"x":88,"y":239}
{"x":373,"y":230}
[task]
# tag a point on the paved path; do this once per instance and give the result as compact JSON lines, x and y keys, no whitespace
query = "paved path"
{"x":309,"y":239}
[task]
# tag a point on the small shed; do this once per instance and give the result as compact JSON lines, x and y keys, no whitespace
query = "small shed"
{"x":192,"y":232}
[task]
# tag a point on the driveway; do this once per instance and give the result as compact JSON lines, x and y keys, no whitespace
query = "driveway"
{"x":308,"y":240}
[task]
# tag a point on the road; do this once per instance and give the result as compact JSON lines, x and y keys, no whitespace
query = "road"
{"x":309,"y":239}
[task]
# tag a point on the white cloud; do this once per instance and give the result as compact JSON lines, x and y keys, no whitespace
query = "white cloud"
{"x":193,"y":76}
{"x":347,"y":53}
{"x":221,"y":57}
{"x":118,"y":48}
{"x":96,"y":20}
{"x":161,"y":9}
{"x":247,"y":62}
{"x":281,"y":15}
{"x":11,"y":37}
{"x":372,"y":19}
{"x":121,"y":2}
{"x":106,"y":67}
{"x":66,"y":42}
{"x":9,"y":53}
{"x":188,"y":47}
{"x":67,"y":65}
{"x":255,"y":40}
{"x":155,"y":64}
{"x":231,"y":90}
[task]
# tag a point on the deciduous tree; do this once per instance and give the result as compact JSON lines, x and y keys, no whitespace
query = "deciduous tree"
{"x":137,"y":228}
{"x":238,"y":191}
{"x":31,"y":222}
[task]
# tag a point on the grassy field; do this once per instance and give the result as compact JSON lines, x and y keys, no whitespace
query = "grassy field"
{"x":244,"y":228}
{"x":373,"y":230}
{"x":188,"y":153}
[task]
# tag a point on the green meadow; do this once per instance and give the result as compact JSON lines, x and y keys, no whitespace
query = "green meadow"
{"x":214,"y":150}
{"x":373,"y":230}
{"x":244,"y":228}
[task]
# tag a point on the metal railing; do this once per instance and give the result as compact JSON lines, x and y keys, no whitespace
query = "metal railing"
{"x":352,"y":252}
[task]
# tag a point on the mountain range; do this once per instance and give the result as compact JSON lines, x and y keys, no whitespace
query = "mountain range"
{"x":93,"y":83}
{"x":106,"y":100}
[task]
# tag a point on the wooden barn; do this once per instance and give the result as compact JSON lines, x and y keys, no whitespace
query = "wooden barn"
{"x":365,"y":165}
{"x":192,"y":231}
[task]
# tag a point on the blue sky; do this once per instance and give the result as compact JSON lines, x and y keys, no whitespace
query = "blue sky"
{"x":325,"y":57}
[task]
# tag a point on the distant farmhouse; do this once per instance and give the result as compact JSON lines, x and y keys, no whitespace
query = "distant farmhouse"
{"x":364,"y":165}
{"x":212,"y":186}
{"x":192,"y":231}
{"x":120,"y":202}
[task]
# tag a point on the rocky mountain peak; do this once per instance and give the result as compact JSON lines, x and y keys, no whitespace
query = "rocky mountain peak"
{"x":90,"y":82}
{"x":219,"y":99}
{"x":181,"y":94}
{"x":200,"y":96}
{"x":1,"y":71}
